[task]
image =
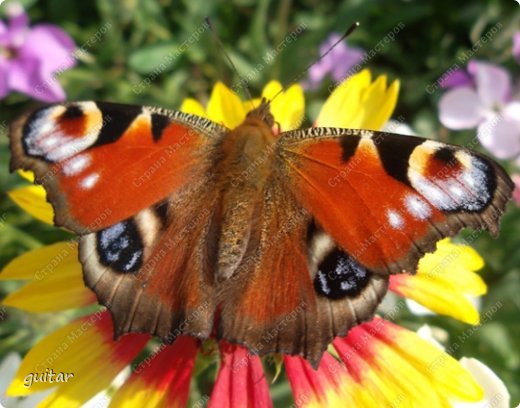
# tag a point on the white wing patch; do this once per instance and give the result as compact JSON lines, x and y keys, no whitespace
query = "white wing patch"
{"x":460,"y":185}
{"x":395,"y":219}
{"x":90,"y":181}
{"x":44,"y":137}
{"x":76,"y":164}
{"x":417,"y":207}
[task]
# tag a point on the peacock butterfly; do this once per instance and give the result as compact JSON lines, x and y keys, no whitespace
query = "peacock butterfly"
{"x":240,"y":232}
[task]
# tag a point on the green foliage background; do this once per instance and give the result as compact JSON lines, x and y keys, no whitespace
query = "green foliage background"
{"x":143,"y":32}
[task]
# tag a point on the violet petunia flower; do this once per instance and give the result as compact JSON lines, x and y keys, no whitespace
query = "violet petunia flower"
{"x":337,"y":63}
{"x":30,"y":57}
{"x":488,"y":106}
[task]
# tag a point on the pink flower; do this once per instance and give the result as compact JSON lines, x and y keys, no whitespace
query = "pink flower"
{"x":337,"y":63}
{"x":456,"y":78}
{"x":516,"y":46}
{"x":486,"y":105}
{"x":30,"y":57}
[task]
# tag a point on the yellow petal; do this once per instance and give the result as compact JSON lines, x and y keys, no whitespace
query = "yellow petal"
{"x":26,"y":174}
{"x":83,"y":348}
{"x":32,"y":199}
{"x":458,"y":256}
{"x":380,"y":364}
{"x":56,"y":280}
{"x":447,"y":375}
{"x":190,"y":105}
{"x":288,"y":108}
{"x":359,"y":103}
{"x":225,"y":106}
{"x":375,"y":351}
{"x":444,"y":280}
{"x":38,"y":263}
{"x":344,"y":108}
{"x":373,"y":364}
{"x":271,"y":89}
{"x":439,"y":298}
{"x":379,"y":103}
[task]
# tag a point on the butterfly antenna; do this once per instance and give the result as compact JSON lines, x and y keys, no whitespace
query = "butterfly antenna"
{"x":308,"y":67}
{"x":221,"y":45}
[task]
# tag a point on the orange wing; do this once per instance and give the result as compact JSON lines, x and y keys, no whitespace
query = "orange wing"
{"x":386,"y":198}
{"x":102,"y":162}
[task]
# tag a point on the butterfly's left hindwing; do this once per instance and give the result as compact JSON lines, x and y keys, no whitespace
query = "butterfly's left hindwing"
{"x":387,"y":199}
{"x":102,"y":162}
{"x":154,"y":270}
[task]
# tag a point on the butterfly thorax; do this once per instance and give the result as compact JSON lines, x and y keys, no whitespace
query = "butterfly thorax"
{"x":247,"y":154}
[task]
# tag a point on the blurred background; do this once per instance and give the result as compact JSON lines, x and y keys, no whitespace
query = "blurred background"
{"x":158,"y":53}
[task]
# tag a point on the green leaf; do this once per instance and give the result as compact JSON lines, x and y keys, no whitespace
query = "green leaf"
{"x":155,"y":59}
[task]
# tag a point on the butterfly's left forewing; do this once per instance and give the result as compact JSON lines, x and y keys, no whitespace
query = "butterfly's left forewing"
{"x":102,"y":163}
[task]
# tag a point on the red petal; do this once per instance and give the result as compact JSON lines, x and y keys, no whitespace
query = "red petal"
{"x":163,"y":379}
{"x":241,"y":381}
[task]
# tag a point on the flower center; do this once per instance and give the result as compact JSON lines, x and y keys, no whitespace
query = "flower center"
{"x":8,"y":52}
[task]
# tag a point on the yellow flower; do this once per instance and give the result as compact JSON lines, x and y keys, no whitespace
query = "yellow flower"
{"x":33,"y":199}
{"x":376,"y":364}
{"x":444,"y":282}
{"x":379,"y":364}
{"x":226,"y":108}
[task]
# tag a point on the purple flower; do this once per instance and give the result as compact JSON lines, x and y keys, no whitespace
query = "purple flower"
{"x":516,"y":46}
{"x":458,"y":77}
{"x":336,"y":63}
{"x":30,"y":57}
{"x":486,"y":105}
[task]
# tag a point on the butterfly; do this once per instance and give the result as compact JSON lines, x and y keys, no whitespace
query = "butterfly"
{"x":278,"y":242}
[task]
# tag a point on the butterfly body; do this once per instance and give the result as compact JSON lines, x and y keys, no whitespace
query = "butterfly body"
{"x":277,"y":242}
{"x":242,"y":179}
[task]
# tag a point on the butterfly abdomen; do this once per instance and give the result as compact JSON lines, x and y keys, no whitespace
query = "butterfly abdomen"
{"x":246,"y":162}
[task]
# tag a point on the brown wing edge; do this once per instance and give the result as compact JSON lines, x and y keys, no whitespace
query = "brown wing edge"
{"x":295,"y":340}
{"x":133,"y":308}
